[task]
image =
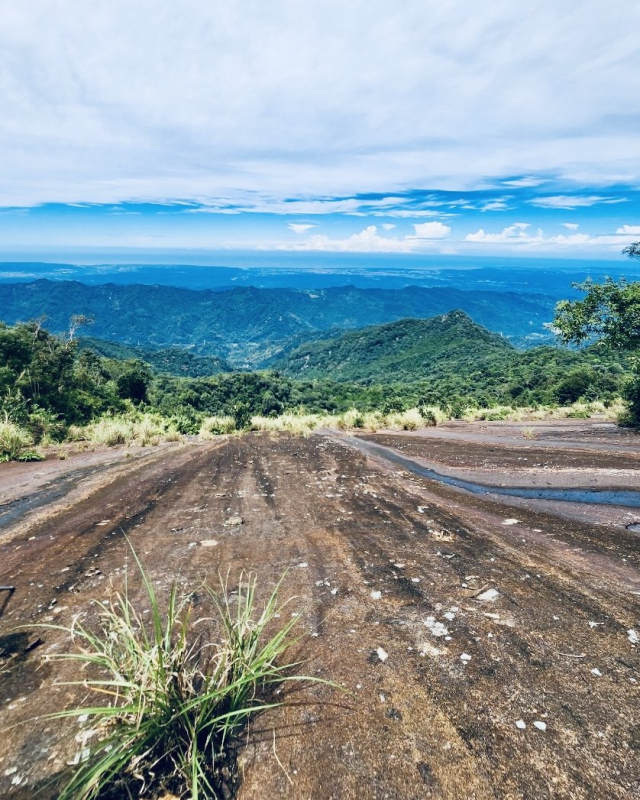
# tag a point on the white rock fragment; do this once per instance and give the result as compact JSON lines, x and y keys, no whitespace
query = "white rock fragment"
{"x":521,"y":724}
{"x":595,"y":671}
{"x":382,"y":654}
{"x":488,"y":596}
{"x":376,"y":595}
{"x":541,"y":726}
{"x":449,"y":615}
{"x":302,"y":565}
{"x":632,"y":636}
{"x":593,"y":624}
{"x":465,"y":657}
{"x":436,"y":628}
{"x":208,"y":543}
{"x":510,"y":521}
{"x":427,"y":649}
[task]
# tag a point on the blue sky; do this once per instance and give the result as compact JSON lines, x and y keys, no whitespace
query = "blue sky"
{"x":441,"y":128}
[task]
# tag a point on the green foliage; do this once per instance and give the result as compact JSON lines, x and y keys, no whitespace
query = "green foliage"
{"x":178,"y":361}
{"x":179,"y":698}
{"x":249,"y":326}
{"x":15,"y":443}
{"x":610,"y":314}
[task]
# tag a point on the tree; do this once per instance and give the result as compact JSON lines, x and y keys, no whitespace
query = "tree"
{"x":610,"y":314}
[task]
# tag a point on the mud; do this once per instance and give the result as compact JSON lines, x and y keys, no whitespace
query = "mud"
{"x":447,"y":716}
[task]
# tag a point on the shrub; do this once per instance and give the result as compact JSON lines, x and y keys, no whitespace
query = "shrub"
{"x":216,"y":426}
{"x":15,"y":443}
{"x":178,"y":701}
{"x":135,"y":428}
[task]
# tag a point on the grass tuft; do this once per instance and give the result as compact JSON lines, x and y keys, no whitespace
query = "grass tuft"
{"x":173,"y":699}
{"x":15,"y":443}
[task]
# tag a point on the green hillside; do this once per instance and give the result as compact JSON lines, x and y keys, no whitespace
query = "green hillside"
{"x":450,"y":356}
{"x":170,"y":360}
{"x":404,"y":350}
{"x":249,"y":326}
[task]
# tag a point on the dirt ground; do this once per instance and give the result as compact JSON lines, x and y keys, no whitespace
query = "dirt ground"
{"x":528,"y":691}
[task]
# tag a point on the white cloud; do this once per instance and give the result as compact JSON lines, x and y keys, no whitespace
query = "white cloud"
{"x":298,"y":227}
{"x":524,"y":183}
{"x":577,"y":201}
{"x":431,"y":230}
{"x":499,"y":204}
{"x":198,"y":100}
{"x":572,"y":226}
{"x":518,"y":234}
{"x":632,"y":230}
{"x":515,"y":232}
{"x":388,"y":226}
{"x":369,"y":240}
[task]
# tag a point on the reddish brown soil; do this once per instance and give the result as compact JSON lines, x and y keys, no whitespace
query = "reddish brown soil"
{"x":421,"y":724}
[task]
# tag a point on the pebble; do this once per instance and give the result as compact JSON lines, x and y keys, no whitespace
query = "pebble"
{"x":632,"y":636}
{"x":488,"y":596}
{"x":376,"y":595}
{"x":465,"y":657}
{"x":382,"y":654}
{"x":510,"y":521}
{"x":595,"y":671}
{"x":541,"y":726}
{"x":521,"y":724}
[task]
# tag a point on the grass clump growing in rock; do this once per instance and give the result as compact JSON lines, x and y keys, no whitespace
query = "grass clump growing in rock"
{"x":15,"y":443}
{"x":140,"y":429}
{"x":216,"y":426}
{"x":177,"y":692}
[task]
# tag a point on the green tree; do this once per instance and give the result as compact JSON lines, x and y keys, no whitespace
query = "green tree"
{"x":610,"y":314}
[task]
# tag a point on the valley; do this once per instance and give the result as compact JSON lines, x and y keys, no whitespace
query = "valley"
{"x":487,"y":645}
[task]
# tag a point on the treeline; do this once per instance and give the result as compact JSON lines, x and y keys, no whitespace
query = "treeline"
{"x":48,"y":382}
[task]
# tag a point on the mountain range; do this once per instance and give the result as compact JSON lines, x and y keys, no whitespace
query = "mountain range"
{"x":250,"y":327}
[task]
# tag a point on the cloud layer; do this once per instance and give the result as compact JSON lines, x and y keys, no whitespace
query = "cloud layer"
{"x":154,"y":100}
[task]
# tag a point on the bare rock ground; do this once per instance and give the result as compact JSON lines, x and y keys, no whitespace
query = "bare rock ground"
{"x":486,"y":650}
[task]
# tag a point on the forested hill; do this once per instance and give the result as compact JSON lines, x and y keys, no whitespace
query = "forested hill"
{"x":249,"y":326}
{"x":170,"y":360}
{"x":408,"y":349}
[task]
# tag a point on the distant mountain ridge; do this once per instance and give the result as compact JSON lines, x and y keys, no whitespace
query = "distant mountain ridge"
{"x":248,"y":326}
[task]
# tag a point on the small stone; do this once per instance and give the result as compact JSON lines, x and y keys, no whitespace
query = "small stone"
{"x":209,"y":543}
{"x":521,"y":724}
{"x":465,"y":657}
{"x":488,"y":596}
{"x":382,"y":654}
{"x":632,"y":636}
{"x":541,"y":726}
{"x":595,"y":671}
{"x":376,"y":595}
{"x":510,"y":521}
{"x":233,"y":521}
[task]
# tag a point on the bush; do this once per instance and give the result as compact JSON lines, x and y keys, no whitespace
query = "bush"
{"x":15,"y":443}
{"x":216,"y":426}
{"x":138,"y":429}
{"x":179,"y":699}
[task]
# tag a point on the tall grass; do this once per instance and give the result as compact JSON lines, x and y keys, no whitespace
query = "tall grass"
{"x":175,"y":701}
{"x":216,"y":426}
{"x":15,"y":443}
{"x":137,"y":429}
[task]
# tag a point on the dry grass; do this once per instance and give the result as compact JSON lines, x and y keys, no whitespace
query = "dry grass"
{"x":139,"y":429}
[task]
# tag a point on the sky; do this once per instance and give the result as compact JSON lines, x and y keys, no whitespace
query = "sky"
{"x":307,"y":126}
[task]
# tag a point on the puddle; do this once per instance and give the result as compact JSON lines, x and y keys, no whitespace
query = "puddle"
{"x":628,"y":498}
